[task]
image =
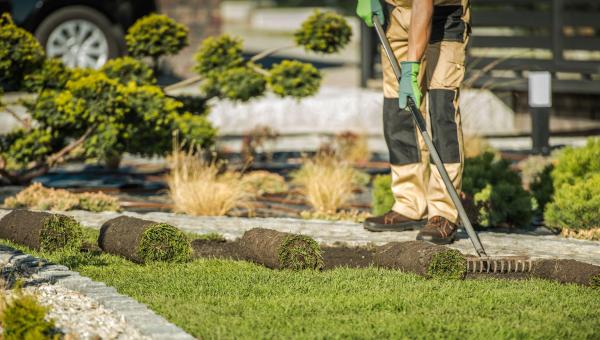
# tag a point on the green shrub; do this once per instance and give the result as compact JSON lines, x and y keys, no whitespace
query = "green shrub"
{"x":576,"y":163}
{"x":238,"y":84}
{"x":20,"y":53}
{"x":382,"y":196}
{"x":295,"y":79}
{"x":53,"y":74}
{"x":23,"y":318}
{"x":324,"y":32}
{"x":126,"y":69}
{"x":450,"y":264}
{"x":154,"y":36}
{"x":217,"y":54}
{"x":498,"y":192}
{"x":21,"y":147}
{"x":542,"y":188}
{"x":163,"y":242}
{"x":61,"y":232}
{"x":575,"y":206}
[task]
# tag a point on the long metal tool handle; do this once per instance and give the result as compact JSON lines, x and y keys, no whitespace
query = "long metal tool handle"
{"x":420,"y":121}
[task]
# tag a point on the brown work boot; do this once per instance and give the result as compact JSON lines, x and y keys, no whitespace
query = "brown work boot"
{"x":438,"y":230}
{"x":392,"y":221}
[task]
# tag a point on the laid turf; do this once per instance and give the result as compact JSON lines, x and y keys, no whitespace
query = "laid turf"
{"x":227,"y":299}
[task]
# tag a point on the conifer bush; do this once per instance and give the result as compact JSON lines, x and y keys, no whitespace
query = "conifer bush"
{"x":23,"y":317}
{"x":575,"y":163}
{"x":217,"y":54}
{"x":575,"y":206}
{"x":294,"y":79}
{"x":127,"y":69}
{"x":154,"y":36}
{"x":20,"y":53}
{"x":324,"y":32}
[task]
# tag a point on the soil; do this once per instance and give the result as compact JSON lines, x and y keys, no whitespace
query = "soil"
{"x":266,"y":246}
{"x":23,"y":227}
{"x":351,"y":257}
{"x":217,"y":249}
{"x":121,"y":236}
{"x":565,"y":271}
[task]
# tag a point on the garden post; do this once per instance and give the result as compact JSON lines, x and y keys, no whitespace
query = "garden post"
{"x":540,"y":102}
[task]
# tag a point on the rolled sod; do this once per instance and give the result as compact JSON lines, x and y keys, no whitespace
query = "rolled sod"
{"x":567,"y":271}
{"x":217,"y":249}
{"x":143,"y":241}
{"x":278,"y":250}
{"x":426,"y":259}
{"x":41,"y":230}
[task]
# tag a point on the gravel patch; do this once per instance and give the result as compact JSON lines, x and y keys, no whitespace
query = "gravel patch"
{"x":81,"y":317}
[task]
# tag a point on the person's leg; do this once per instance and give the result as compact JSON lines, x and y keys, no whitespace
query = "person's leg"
{"x":408,"y":159}
{"x":445,"y":72}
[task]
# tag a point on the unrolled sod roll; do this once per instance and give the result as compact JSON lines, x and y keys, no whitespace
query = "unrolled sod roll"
{"x":279,"y":250}
{"x":422,"y":258}
{"x":143,"y":241}
{"x":567,"y":271}
{"x":41,"y":230}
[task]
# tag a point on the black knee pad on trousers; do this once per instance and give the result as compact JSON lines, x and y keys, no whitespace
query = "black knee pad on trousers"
{"x":400,"y":133}
{"x":442,"y":113}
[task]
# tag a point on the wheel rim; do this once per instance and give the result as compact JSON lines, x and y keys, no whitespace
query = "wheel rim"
{"x":79,"y":43}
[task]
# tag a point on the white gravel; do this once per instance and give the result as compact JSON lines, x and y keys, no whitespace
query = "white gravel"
{"x":81,"y":317}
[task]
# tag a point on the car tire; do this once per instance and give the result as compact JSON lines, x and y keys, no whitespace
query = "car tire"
{"x":114,"y":37}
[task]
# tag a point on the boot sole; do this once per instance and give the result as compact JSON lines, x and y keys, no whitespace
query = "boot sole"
{"x":413,"y":225}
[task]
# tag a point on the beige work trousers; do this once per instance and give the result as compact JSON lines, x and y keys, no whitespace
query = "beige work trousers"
{"x":416,"y":183}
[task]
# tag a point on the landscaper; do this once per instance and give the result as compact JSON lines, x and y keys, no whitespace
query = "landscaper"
{"x":429,"y":38}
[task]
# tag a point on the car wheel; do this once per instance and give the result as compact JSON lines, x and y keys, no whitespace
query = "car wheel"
{"x":80,"y":36}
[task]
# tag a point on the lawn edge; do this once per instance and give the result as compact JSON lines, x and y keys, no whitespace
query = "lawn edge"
{"x":138,"y":315}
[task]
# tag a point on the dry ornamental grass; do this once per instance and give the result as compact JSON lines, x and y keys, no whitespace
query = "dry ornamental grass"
{"x":327,"y":182}
{"x":197,"y":187}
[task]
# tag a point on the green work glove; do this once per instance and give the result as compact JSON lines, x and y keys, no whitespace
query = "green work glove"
{"x":409,"y":84}
{"x":366,"y":9}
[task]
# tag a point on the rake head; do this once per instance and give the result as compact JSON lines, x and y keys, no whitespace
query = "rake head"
{"x":499,"y":265}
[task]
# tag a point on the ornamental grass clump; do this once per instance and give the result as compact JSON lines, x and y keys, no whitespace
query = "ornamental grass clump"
{"x":143,"y":241}
{"x":36,"y":196}
{"x":324,"y":32}
{"x":41,"y":231}
{"x":326,"y":181}
{"x":198,"y":187}
{"x":294,"y":79}
{"x":279,"y":250}
{"x":264,"y":182}
{"x":23,"y":317}
{"x":575,"y":206}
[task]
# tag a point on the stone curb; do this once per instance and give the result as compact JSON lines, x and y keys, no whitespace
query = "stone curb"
{"x":147,"y":322}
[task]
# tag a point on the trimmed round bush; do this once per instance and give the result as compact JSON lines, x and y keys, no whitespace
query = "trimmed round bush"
{"x":575,"y":206}
{"x":576,"y":163}
{"x":156,"y":35}
{"x":127,"y":69}
{"x":295,"y":79}
{"x":217,"y":54}
{"x":52,"y":75}
{"x":324,"y":32}
{"x":163,"y":242}
{"x":20,"y":53}
{"x":238,"y":84}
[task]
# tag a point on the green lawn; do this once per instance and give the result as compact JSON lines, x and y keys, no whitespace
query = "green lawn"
{"x":226,"y":299}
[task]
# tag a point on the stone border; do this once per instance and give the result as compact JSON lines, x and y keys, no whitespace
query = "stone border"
{"x":147,"y":322}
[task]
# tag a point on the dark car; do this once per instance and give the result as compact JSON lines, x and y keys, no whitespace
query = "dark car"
{"x":83,"y":33}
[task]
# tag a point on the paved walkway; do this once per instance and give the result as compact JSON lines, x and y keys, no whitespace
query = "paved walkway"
{"x":536,"y":246}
